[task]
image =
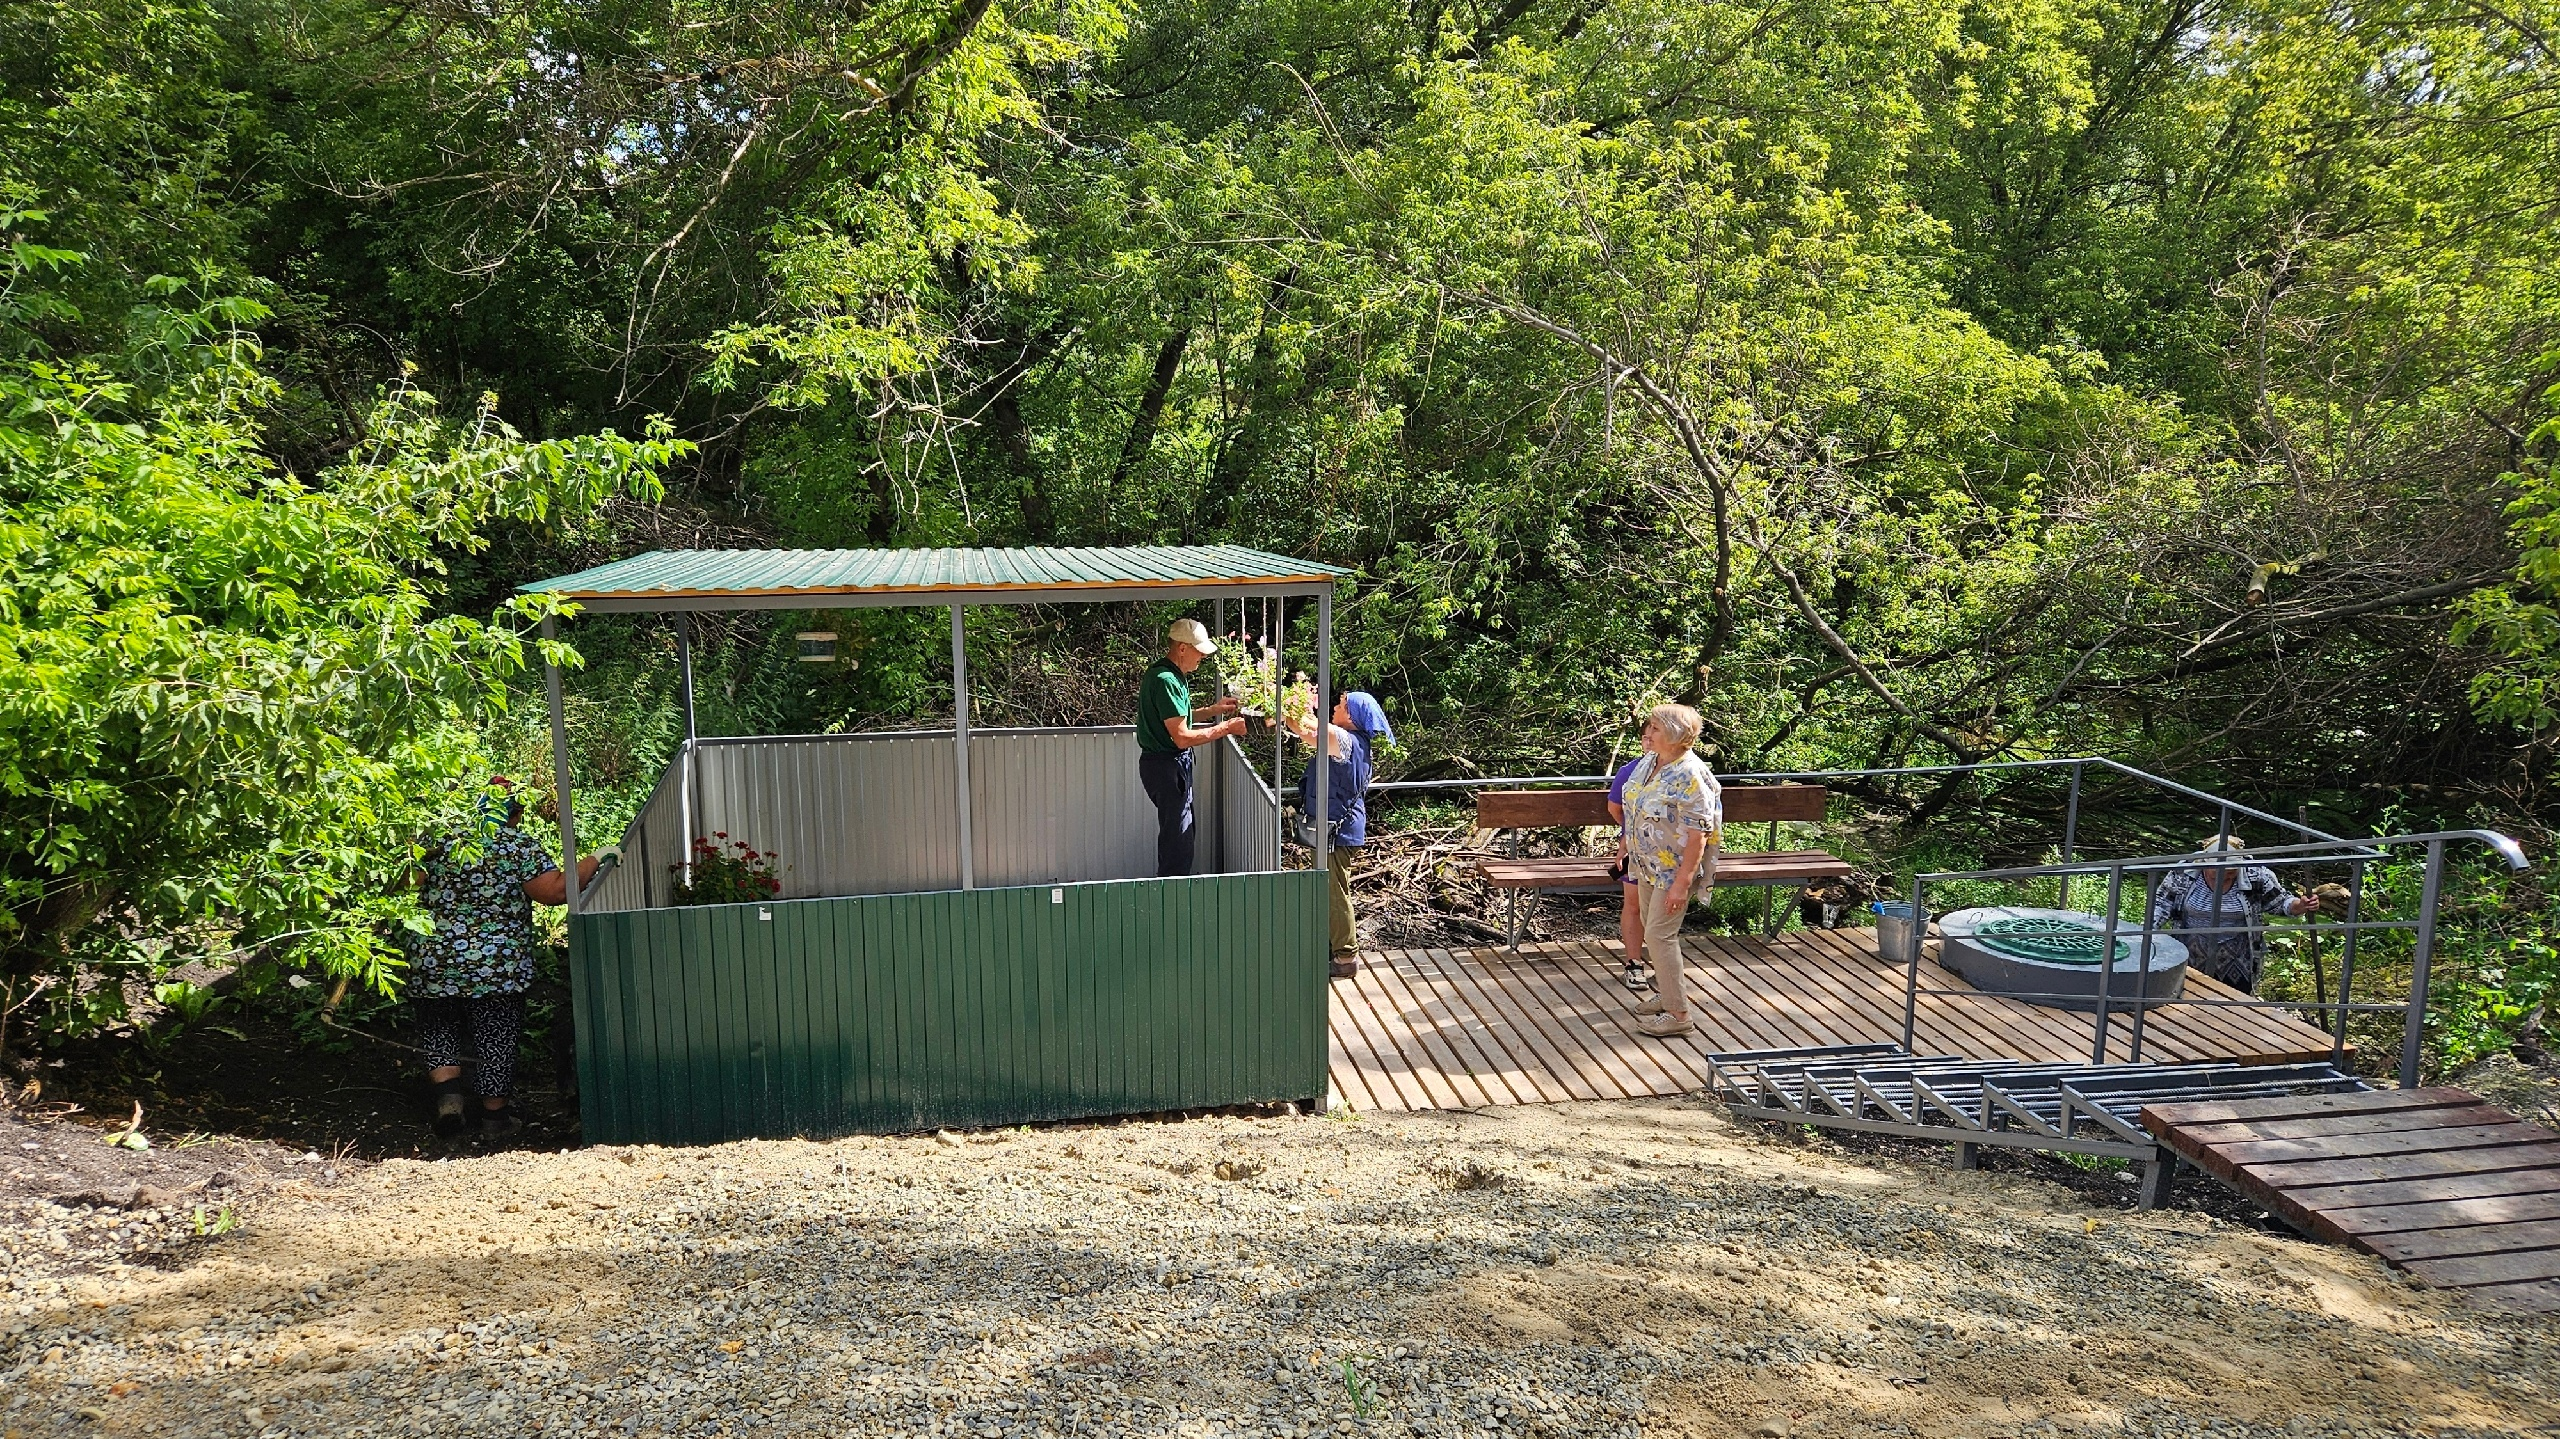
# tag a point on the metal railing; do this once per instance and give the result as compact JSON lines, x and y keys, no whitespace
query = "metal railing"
{"x":2226,"y":810}
{"x":2316,"y":846}
{"x":2078,"y":765}
{"x":2148,"y":870}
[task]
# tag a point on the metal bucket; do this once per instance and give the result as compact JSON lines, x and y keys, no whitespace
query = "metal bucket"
{"x":1896,"y":931}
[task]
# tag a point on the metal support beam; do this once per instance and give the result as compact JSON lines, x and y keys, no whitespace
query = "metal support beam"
{"x":2413,"y":1028}
{"x":1279,"y":641}
{"x":960,"y":742}
{"x":1323,"y":818}
{"x":2156,"y":1175}
{"x":560,"y":765}
{"x":685,"y":762}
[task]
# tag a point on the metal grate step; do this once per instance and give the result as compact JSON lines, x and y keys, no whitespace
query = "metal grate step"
{"x":1967,"y":1103}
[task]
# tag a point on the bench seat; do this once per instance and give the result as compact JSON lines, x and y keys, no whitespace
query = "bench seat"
{"x":1579,"y":872}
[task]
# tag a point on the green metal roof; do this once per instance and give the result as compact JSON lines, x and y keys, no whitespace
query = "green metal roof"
{"x":774,"y":579}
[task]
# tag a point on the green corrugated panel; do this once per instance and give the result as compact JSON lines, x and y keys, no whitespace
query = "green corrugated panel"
{"x":985,"y":1007}
{"x":837,"y":572}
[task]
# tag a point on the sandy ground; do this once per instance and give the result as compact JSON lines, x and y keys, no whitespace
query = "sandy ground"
{"x":1648,"y":1267}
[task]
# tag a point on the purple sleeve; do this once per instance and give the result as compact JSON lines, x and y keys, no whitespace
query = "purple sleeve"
{"x":1618,"y":782}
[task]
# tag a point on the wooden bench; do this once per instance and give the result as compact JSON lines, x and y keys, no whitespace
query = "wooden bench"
{"x":1743,"y":805}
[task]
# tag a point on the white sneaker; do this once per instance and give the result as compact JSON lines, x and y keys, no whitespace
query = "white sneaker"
{"x":1651,"y":1007}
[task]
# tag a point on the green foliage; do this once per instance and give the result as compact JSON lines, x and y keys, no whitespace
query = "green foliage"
{"x":2520,"y":620}
{"x":1937,"y":380}
{"x":225,"y":691}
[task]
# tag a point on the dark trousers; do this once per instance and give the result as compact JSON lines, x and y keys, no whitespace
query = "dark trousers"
{"x":495,"y":1024}
{"x":1167,"y":779}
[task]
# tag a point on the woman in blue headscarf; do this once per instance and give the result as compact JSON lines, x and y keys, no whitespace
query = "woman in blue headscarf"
{"x":1359,"y":727}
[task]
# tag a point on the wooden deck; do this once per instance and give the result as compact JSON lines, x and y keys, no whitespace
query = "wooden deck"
{"x":1457,"y":1029}
{"x":2442,"y":1184}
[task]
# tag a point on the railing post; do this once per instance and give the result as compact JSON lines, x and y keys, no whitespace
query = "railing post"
{"x":1911,"y":971}
{"x":2142,"y":969}
{"x":2107,"y":962}
{"x":2347,"y":963}
{"x":2070,"y":832}
{"x":2413,"y":1024}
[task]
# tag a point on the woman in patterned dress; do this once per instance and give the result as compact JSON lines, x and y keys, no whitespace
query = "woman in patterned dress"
{"x":469,"y":973}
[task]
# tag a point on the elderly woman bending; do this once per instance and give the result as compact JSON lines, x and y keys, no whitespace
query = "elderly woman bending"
{"x":1674,"y":828}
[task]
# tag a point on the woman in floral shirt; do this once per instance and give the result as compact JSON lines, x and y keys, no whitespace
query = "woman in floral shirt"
{"x":470,"y":971}
{"x":1674,"y":827}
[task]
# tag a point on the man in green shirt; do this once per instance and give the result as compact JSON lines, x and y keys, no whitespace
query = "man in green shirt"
{"x":1166,"y":738}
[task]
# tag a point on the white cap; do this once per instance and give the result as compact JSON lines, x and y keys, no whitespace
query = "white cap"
{"x":1193,"y":634}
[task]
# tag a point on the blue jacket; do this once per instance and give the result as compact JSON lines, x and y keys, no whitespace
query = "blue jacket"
{"x":1346,"y":790}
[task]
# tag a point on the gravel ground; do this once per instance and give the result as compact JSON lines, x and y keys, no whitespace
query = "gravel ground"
{"x":1601,"y":1268}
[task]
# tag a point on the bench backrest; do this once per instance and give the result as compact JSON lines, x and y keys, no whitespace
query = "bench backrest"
{"x":1544,"y":809}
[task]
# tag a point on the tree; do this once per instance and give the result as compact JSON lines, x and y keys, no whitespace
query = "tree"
{"x":227,"y":700}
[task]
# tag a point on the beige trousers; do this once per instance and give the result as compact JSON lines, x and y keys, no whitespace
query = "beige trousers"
{"x":1662,"y":943}
{"x":1662,"y":936}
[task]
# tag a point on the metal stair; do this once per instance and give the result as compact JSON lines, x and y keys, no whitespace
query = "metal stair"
{"x":2082,"y":1109}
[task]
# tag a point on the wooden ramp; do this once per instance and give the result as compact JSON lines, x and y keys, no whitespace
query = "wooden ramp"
{"x":1457,"y":1029}
{"x":2454,"y":1190}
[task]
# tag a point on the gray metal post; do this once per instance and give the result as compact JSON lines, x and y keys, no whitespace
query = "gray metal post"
{"x":1279,"y":733}
{"x":2223,"y":837}
{"x":2070,"y":833}
{"x":684,"y":767}
{"x":2413,"y":1024}
{"x":1911,"y":973}
{"x":960,"y":744}
{"x":2142,"y":976}
{"x":2107,"y":962}
{"x":560,"y":766}
{"x":2347,"y":963}
{"x":1323,"y":760}
{"x":1208,"y":780}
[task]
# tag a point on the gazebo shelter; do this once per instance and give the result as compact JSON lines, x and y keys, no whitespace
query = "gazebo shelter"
{"x":970,"y":930}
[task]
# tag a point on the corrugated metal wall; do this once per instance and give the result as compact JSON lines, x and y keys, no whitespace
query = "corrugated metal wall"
{"x":846,"y":815}
{"x":654,"y":842}
{"x":1058,"y":805}
{"x":876,"y":814}
{"x":983,"y":1007}
{"x":1247,"y":819}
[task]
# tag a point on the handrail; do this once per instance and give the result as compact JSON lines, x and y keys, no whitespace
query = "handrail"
{"x":2504,"y":845}
{"x":2076,"y":762}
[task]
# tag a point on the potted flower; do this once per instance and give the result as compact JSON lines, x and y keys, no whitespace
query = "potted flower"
{"x":726,"y":872}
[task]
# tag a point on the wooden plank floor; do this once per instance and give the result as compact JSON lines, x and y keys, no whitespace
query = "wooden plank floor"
{"x":2454,"y":1190}
{"x":1457,"y":1029}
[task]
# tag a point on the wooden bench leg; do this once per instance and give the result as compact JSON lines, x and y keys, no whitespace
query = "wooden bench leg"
{"x":1511,"y":925}
{"x":1768,"y":911}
